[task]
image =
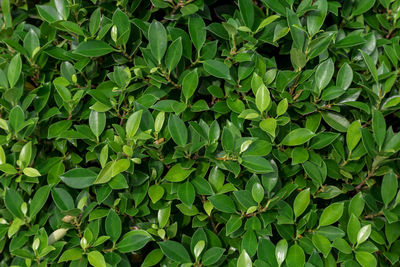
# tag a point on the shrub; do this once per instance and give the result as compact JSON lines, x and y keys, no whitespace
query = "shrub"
{"x":199,"y":133}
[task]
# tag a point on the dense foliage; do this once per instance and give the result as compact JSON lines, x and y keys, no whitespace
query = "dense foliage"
{"x":199,"y":133}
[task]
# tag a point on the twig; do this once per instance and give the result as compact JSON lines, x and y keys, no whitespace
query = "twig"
{"x":370,"y":174}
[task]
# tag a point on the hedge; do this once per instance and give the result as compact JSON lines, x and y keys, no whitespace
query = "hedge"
{"x":199,"y":133}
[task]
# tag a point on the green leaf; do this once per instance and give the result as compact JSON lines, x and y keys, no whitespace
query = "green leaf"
{"x":106,"y":174}
{"x":133,"y":123}
{"x":157,"y":40}
{"x":31,"y":43}
{"x":189,"y":84}
{"x":8,"y":169}
{"x":244,"y":260}
{"x":331,"y":214}
{"x":38,"y":200}
{"x":223,"y":203}
{"x":217,"y":68}
{"x":177,"y":173}
{"x":48,"y":13}
{"x":362,"y":7}
{"x":31,"y":172}
{"x":316,"y":18}
{"x":14,"y":70}
{"x":257,"y":164}
{"x":277,"y":6}
{"x":62,"y":199}
{"x":344,"y":77}
{"x":5,"y":8}
{"x":295,"y":256}
{"x":342,"y":246}
{"x":13,"y":202}
{"x":389,"y":187}
{"x":119,"y":166}
{"x":269,"y":125}
{"x":212,"y":255}
{"x":186,"y":193}
{"x":97,"y":122}
{"x":96,"y":259}
{"x":301,"y":202}
{"x":281,"y":251}
{"x":324,"y":73}
{"x":156,"y":192}
{"x":378,"y":127}
{"x":113,"y":225}
{"x":267,"y":21}
{"x":94,"y":21}
{"x":71,"y":255}
{"x":197,"y":31}
{"x":363,"y":234}
{"x":356,"y":205}
{"x":299,"y":155}
{"x":25,"y":155}
{"x":370,"y":65}
{"x":296,"y":29}
{"x":177,"y":130}
{"x":366,"y":259}
{"x":233,"y":224}
{"x":353,"y":135}
{"x":263,"y":98}
{"x":122,"y":23}
{"x":175,"y":251}
{"x":298,"y":58}
{"x":154,"y":257}
{"x":93,"y":48}
{"x":174,"y":54}
{"x":60,"y":83}
{"x":353,"y":226}
{"x":336,"y":121}
{"x":133,"y":241}
{"x":257,"y":192}
{"x":282,"y":107}
{"x":246,"y":8}
{"x":322,"y":244}
{"x":297,"y":137}
{"x":350,"y":41}
{"x":78,"y":178}
{"x":163,"y":216}
{"x":17,"y":118}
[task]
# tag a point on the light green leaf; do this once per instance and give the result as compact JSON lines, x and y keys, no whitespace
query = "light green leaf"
{"x":353,"y":135}
{"x":132,"y":124}
{"x":301,"y":202}
{"x":324,"y":73}
{"x":281,"y":251}
{"x":244,"y":260}
{"x":297,"y":137}
{"x":97,"y":122}
{"x":263,"y":99}
{"x":331,"y":214}
{"x":96,"y":259}
{"x":14,"y":70}
{"x":295,"y":256}
{"x":177,"y":173}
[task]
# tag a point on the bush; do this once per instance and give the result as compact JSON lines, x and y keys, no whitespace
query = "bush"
{"x":199,"y":133}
